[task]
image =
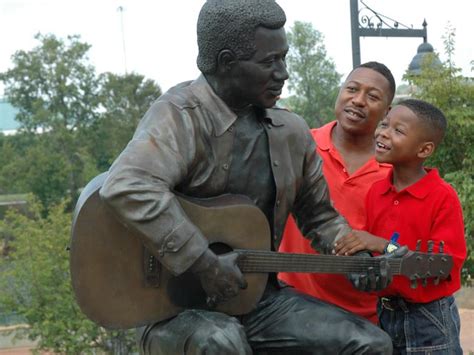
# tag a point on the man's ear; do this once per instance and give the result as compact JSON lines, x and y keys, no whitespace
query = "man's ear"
{"x":426,"y":150}
{"x":226,"y":59}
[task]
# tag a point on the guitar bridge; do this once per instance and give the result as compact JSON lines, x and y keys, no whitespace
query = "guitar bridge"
{"x":151,"y":269}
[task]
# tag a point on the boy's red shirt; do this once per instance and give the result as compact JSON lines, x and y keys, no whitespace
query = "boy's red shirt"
{"x":348,"y":195}
{"x":427,"y":210}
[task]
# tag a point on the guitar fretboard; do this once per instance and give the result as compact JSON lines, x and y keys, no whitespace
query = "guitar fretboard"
{"x":259,"y":261}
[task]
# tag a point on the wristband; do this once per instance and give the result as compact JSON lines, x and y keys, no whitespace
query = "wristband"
{"x":392,"y":243}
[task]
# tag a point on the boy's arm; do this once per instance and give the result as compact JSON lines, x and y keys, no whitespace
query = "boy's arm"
{"x":359,"y":240}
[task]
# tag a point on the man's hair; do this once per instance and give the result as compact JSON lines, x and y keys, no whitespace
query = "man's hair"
{"x":231,"y":24}
{"x":382,"y":69}
{"x":431,"y":116}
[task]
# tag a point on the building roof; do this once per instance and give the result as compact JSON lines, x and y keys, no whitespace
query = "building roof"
{"x":8,"y":124}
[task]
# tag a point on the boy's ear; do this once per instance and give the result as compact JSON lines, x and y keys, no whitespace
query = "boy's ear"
{"x":426,"y":150}
{"x":225,"y":61}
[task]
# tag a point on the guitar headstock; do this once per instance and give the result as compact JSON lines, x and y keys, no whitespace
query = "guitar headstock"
{"x":423,"y":266}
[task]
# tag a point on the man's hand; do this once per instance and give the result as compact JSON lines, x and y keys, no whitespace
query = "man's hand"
{"x":370,"y":281}
{"x":220,"y":276}
{"x":357,"y":241}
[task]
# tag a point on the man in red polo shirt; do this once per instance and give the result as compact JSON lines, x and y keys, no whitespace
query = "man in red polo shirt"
{"x":347,"y":147}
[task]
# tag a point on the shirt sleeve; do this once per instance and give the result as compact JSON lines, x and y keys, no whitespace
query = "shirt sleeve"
{"x":448,"y":228}
{"x":314,"y":213}
{"x":140,"y":183}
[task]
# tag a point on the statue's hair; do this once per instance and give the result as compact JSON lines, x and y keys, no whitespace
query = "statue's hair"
{"x":432,"y":117}
{"x":383,"y":70}
{"x":231,"y":24}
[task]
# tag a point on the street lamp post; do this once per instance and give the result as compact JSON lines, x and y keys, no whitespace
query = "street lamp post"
{"x":369,"y":23}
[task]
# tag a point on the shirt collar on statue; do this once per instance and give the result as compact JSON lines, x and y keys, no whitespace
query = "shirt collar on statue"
{"x":221,"y":115}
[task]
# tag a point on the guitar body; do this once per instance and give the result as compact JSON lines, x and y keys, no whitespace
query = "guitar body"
{"x":108,"y":262}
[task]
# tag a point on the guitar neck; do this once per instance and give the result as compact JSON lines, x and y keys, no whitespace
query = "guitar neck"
{"x":259,"y":261}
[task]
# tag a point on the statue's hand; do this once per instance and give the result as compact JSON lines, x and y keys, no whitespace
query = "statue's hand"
{"x":220,"y":276}
{"x":372,"y":281}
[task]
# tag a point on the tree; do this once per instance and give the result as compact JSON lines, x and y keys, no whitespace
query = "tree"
{"x":86,"y":119}
{"x":454,"y":95}
{"x":56,"y":91}
{"x":35,"y":285}
{"x":124,"y":99}
{"x":314,"y":81}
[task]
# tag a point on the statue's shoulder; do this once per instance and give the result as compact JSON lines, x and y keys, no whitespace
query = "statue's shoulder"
{"x":180,"y":96}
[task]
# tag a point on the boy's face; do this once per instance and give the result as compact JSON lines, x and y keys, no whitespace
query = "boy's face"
{"x":400,"y":138}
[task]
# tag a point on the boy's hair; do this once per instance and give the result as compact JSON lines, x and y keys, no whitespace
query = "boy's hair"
{"x":432,"y":117}
{"x":381,"y":69}
{"x":231,"y":24}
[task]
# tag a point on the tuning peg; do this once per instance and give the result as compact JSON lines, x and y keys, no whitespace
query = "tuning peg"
{"x":418,"y":245}
{"x":441,"y":247}
{"x":430,"y":246}
{"x":436,"y":281}
{"x":413,"y":283}
{"x":425,"y":282}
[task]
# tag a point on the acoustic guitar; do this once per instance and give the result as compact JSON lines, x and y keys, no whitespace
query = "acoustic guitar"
{"x":119,"y":284}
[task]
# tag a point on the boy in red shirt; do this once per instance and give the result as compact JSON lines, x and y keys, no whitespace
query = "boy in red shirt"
{"x":414,"y":203}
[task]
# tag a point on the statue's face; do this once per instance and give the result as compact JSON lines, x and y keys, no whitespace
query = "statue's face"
{"x":260,"y":79}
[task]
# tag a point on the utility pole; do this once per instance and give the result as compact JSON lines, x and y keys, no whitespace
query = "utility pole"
{"x":121,"y":9}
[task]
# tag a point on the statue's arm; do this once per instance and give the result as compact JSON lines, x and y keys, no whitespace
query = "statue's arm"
{"x":139,"y":187}
{"x":314,"y":213}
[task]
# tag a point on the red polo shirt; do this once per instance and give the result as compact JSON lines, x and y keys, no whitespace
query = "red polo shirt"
{"x":348,"y":195}
{"x":427,"y":210}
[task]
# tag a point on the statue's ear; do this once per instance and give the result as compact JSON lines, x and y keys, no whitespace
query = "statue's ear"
{"x":226,"y":59}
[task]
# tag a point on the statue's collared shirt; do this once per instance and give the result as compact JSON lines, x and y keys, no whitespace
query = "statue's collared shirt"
{"x":185,"y":143}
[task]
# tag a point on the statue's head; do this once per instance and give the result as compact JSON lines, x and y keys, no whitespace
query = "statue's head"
{"x":232,"y":24}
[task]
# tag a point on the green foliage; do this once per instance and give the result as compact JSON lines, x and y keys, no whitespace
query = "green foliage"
{"x":454,"y":95}
{"x":124,"y":100}
{"x":35,"y":284}
{"x":52,"y":85}
{"x":313,"y":82}
{"x":86,"y":119}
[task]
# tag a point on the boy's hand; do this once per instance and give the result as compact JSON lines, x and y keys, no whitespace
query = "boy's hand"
{"x":357,"y":241}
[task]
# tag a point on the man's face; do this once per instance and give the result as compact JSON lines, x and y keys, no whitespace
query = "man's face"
{"x":362,"y":101}
{"x":260,"y":79}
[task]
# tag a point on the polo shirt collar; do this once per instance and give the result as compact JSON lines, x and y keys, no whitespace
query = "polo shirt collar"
{"x":419,"y":189}
{"x":323,"y":139}
{"x":323,"y":136}
{"x":221,"y":115}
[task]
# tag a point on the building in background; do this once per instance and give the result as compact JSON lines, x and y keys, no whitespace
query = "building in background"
{"x":8,"y":123}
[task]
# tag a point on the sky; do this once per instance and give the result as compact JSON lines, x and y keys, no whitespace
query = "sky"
{"x":157,"y":38}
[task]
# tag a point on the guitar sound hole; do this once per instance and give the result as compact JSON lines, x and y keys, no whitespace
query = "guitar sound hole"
{"x":220,"y":248}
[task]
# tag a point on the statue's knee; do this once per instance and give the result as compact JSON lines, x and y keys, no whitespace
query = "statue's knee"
{"x":377,"y":342}
{"x":216,"y":340}
{"x":382,"y":344}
